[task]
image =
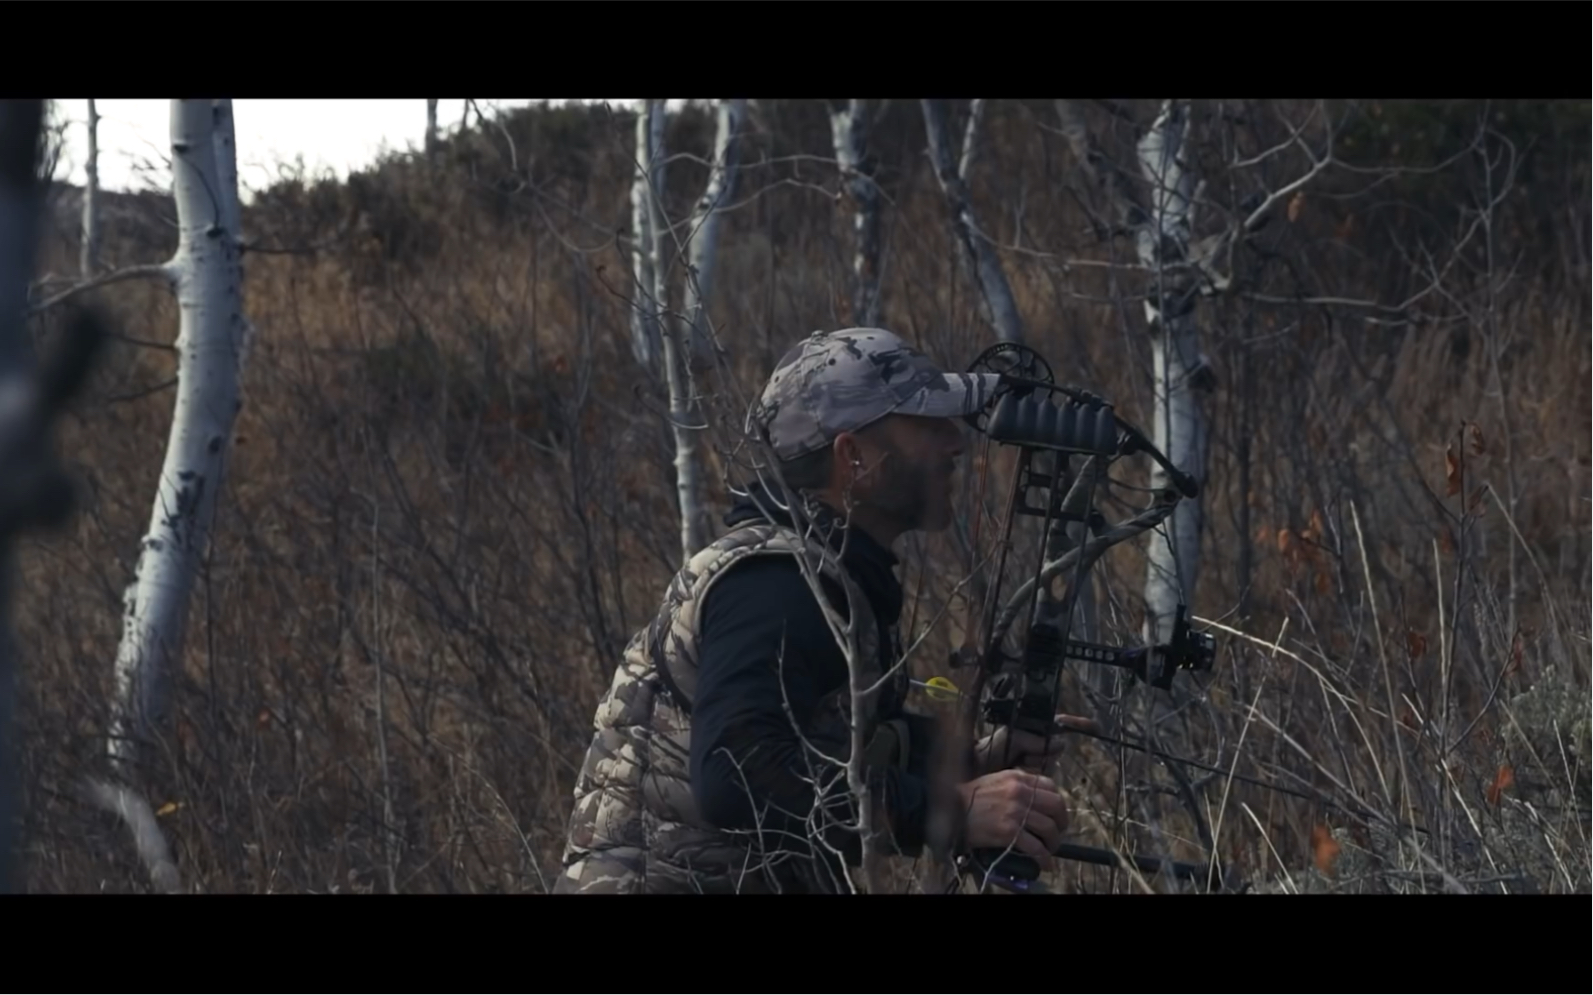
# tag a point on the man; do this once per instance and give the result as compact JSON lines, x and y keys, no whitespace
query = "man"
{"x":711,"y":769}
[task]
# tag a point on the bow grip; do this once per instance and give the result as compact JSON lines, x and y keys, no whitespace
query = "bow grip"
{"x":1017,"y":868}
{"x":1036,"y":421}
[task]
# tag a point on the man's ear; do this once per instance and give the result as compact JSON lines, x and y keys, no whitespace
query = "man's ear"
{"x":847,"y":452}
{"x":857,"y":459}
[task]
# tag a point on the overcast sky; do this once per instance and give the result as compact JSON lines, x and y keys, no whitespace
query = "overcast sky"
{"x":134,"y":136}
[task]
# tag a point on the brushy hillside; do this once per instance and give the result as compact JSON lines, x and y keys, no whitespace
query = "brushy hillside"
{"x":452,"y":502}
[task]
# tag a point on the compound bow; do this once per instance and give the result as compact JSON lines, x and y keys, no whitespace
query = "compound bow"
{"x":1032,"y":414}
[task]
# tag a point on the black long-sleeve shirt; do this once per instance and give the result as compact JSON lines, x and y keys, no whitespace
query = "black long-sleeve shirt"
{"x":749,"y":768}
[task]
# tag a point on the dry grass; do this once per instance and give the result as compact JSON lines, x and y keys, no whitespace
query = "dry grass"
{"x":450,"y":475}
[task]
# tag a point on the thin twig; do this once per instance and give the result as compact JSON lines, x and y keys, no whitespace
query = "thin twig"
{"x":153,"y":271}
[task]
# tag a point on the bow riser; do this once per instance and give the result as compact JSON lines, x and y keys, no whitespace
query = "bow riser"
{"x":1028,"y":693}
{"x":1025,"y":693}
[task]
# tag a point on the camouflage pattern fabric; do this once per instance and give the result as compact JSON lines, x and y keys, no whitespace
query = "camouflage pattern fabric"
{"x":843,"y":381}
{"x":635,"y":827}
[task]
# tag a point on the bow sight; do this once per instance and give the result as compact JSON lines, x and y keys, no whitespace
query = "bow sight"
{"x":1034,"y":415}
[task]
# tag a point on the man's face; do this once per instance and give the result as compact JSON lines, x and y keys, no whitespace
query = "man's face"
{"x":909,"y":465}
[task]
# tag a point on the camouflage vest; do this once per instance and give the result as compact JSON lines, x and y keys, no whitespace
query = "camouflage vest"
{"x":635,"y":827}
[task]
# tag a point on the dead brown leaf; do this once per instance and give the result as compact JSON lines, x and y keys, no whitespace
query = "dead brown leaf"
{"x":1415,"y":644}
{"x":1501,"y":781}
{"x":1324,"y":849}
{"x":1451,"y":471}
{"x":1516,"y":648}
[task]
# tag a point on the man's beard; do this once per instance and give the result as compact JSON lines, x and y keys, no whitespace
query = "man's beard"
{"x":901,"y":494}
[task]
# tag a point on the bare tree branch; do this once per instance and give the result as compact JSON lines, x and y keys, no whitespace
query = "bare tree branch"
{"x":995,"y":294}
{"x":152,"y":271}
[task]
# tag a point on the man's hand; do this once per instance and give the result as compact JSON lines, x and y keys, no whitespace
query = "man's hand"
{"x":1016,"y":809}
{"x":1025,"y":750}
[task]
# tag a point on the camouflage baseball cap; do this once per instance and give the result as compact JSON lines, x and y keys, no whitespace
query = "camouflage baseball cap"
{"x":833,"y":382}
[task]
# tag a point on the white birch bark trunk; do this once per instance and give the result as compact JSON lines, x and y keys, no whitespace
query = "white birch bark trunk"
{"x":705,"y":231}
{"x":644,"y":329}
{"x":849,"y":128}
{"x":210,"y":342}
{"x":1161,"y":226}
{"x":89,"y":260}
{"x":688,"y":466}
{"x":995,"y":294}
{"x":1180,"y":428}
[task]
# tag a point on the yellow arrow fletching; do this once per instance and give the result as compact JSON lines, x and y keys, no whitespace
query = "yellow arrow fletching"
{"x":941,"y":689}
